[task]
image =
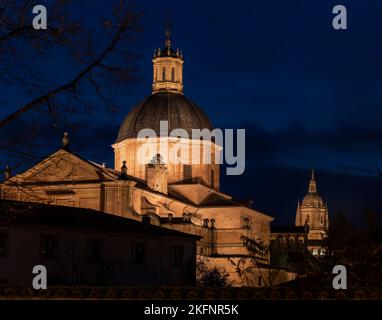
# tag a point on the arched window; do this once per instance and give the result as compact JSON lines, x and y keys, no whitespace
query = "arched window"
{"x":291,"y":242}
{"x":283,"y":242}
{"x":173,"y":74}
{"x":322,"y":221}
{"x":164,"y":74}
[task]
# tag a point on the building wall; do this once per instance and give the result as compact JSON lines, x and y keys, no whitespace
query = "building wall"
{"x":73,"y":262}
{"x":186,"y":150}
{"x":316,"y":216}
{"x":110,"y":197}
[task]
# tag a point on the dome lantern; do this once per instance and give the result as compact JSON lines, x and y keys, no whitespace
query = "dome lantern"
{"x":167,"y":69}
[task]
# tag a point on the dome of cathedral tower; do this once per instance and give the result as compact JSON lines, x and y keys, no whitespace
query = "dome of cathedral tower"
{"x":312,"y":199}
{"x":174,"y":108}
{"x":167,"y":102}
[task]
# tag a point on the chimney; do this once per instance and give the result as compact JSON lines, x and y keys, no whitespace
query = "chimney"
{"x":156,"y":175}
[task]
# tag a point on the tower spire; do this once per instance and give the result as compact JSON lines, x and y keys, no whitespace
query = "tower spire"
{"x":312,"y":183}
{"x":168,"y":38}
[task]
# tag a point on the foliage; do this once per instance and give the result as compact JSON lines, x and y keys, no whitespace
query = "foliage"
{"x":211,"y":277}
{"x":359,"y":250}
{"x":60,"y":75}
{"x":260,"y":257}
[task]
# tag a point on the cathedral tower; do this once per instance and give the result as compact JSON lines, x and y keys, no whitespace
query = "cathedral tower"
{"x":313,"y":211}
{"x":168,"y":69}
{"x":168,"y":104}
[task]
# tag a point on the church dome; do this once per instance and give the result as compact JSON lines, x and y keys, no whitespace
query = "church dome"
{"x":172,"y":107}
{"x":312,"y":199}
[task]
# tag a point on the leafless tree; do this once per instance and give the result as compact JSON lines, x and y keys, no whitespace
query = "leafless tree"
{"x":97,"y":59}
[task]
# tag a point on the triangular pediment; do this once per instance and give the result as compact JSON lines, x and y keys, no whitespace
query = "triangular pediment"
{"x":63,"y":166}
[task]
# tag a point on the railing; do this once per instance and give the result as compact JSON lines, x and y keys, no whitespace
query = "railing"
{"x":179,"y":293}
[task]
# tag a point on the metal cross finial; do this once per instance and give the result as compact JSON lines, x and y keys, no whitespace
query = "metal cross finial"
{"x":168,"y":36}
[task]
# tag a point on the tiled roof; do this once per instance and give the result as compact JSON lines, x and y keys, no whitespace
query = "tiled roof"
{"x":29,"y":213}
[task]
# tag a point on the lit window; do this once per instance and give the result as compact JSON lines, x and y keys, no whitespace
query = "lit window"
{"x":322,"y":252}
{"x":315,"y":252}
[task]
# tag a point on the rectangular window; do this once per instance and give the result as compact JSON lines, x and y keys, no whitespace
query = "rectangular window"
{"x":48,"y":247}
{"x":187,"y":172}
{"x":212,"y":178}
{"x":176,"y":256}
{"x":3,"y":244}
{"x":95,"y":249}
{"x":138,"y":253}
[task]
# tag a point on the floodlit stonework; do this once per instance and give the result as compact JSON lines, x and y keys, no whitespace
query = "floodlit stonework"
{"x":183,"y":196}
{"x":313,"y":211}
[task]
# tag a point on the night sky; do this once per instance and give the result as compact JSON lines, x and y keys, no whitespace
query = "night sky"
{"x":309,"y":96}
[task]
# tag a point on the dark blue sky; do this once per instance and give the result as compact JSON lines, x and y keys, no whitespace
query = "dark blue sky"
{"x":309,"y":96}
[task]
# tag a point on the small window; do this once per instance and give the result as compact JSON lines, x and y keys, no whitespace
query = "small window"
{"x":212,"y":178}
{"x":173,"y":74}
{"x":164,"y":74}
{"x":48,"y":246}
{"x":138,"y":253}
{"x":3,"y":244}
{"x":176,"y":256}
{"x":315,"y":252}
{"x":246,"y":222}
{"x":187,"y":172}
{"x":95,"y":249}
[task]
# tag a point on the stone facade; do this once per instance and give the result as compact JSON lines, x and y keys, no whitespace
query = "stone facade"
{"x":181,"y":195}
{"x":184,"y":158}
{"x":313,"y":211}
{"x":66,"y":179}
